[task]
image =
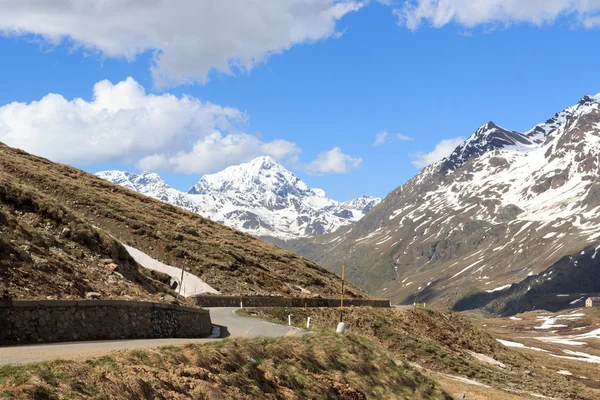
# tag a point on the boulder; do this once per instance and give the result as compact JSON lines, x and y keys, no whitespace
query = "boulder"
{"x":92,"y":295}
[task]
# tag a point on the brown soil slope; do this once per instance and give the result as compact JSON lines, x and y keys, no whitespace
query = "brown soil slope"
{"x":46,"y":252}
{"x":42,"y":198}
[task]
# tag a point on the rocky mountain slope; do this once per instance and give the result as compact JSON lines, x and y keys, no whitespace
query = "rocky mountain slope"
{"x":260,"y":197}
{"x":504,"y":208}
{"x":48,"y":252}
{"x":59,"y":224}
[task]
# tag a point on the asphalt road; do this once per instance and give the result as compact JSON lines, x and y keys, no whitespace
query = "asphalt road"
{"x":237,"y":326}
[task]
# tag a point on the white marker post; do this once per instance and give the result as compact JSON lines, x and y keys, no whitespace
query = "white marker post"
{"x":341,"y":326}
{"x":289,"y":319}
{"x":308,"y":322}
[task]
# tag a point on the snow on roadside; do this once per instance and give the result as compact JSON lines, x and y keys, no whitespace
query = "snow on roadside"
{"x":192,"y":285}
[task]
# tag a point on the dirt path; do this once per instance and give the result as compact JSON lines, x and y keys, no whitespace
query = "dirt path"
{"x":237,"y":326}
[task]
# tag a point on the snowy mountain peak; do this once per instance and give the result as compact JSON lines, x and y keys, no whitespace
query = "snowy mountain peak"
{"x":263,"y":174}
{"x":490,"y":136}
{"x":146,"y":182}
{"x":260,"y":197}
{"x":589,"y":98}
{"x":561,"y":119}
{"x":487,"y":138}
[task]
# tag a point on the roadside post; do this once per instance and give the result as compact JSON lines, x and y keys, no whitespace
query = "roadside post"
{"x":181,"y":281}
{"x":341,"y":326}
{"x":241,"y":302}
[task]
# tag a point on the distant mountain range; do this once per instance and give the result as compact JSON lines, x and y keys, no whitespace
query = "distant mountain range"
{"x":507,"y":218}
{"x":260,"y":197}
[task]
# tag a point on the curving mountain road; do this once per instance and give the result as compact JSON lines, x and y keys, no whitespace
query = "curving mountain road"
{"x":237,"y":326}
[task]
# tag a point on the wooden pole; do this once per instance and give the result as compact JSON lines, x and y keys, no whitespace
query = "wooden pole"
{"x":181,"y":281}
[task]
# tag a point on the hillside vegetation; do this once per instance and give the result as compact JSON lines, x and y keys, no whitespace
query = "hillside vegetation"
{"x":321,"y":366}
{"x":59,"y":223}
{"x":445,"y":344}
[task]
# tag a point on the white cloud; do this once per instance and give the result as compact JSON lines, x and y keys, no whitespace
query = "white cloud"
{"x":471,"y":13}
{"x":189,"y":38}
{"x":215,"y":152}
{"x":442,"y":149}
{"x":333,"y":161}
{"x":122,"y":123}
{"x":384,"y":137}
{"x":380,"y":138}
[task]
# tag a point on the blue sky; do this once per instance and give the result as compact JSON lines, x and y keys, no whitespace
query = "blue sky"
{"x":322,"y":89}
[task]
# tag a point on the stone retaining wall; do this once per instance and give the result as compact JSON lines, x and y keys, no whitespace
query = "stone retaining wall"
{"x":264,"y":301}
{"x":62,"y":320}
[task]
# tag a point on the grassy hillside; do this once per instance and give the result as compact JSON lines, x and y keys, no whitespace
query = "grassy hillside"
{"x":321,"y":366}
{"x":447,"y":346}
{"x":59,"y":222}
{"x":47,"y":252}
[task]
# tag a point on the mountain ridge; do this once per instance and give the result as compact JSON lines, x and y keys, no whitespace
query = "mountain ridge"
{"x":260,"y":197}
{"x":503,"y":207}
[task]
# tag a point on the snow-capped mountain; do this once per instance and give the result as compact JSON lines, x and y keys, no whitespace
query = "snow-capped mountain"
{"x":504,"y":208}
{"x":260,"y":197}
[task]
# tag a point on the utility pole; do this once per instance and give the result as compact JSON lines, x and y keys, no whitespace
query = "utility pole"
{"x":181,"y":281}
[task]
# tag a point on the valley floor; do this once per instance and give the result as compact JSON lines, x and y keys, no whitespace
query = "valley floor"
{"x":566,"y":343}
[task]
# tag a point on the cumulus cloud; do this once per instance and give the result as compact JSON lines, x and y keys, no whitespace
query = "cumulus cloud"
{"x":188,"y":38}
{"x":380,"y":138}
{"x":383,"y":137}
{"x":215,"y":152}
{"x":442,"y":149}
{"x":333,"y":161}
{"x":471,"y":13}
{"x":122,"y":123}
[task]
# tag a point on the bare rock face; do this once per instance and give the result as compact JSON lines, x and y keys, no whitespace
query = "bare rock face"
{"x":502,"y":208}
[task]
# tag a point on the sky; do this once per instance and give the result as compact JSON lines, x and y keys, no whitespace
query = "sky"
{"x":354,"y":97}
